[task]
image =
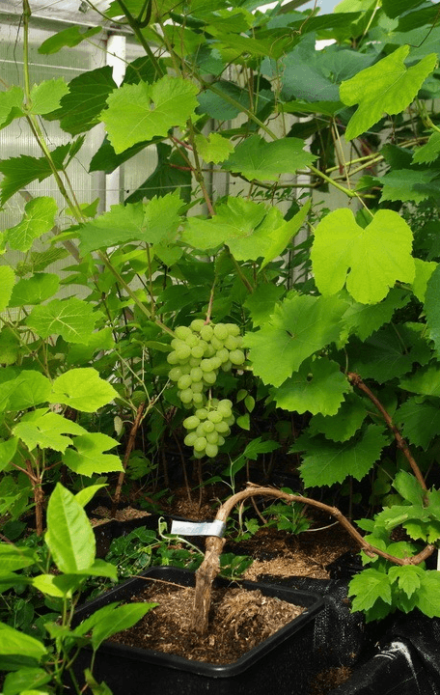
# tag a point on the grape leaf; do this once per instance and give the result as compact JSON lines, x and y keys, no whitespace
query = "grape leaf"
{"x":8,"y":450}
{"x":343,"y":425}
{"x":140,"y":112}
{"x":48,"y":432}
{"x":299,"y":326}
{"x":408,"y":578}
{"x":428,"y":595}
{"x":71,"y":318}
{"x":106,"y":159}
{"x":81,"y":107}
{"x":306,"y":75}
{"x":214,"y":105}
{"x":420,"y":422}
{"x":99,"y":340}
{"x":7,"y":279}
{"x":88,"y":457}
{"x":11,"y":105}
{"x":167,"y":176}
{"x":39,"y":218}
{"x":46,"y":96}
{"x":394,"y":8}
{"x":150,"y":223}
{"x":365,"y":319}
{"x":432,"y":307}
{"x":407,"y":184}
{"x":368,"y":260}
{"x":327,"y":463}
{"x":214,"y":148}
{"x":258,"y":446}
{"x":367,"y":587}
{"x":424,"y":271}
{"x":318,"y":387}
{"x":18,"y":172}
{"x":425,"y":382}
{"x":429,"y":152}
{"x":409,"y":488}
{"x":68,"y":37}
{"x":82,"y":389}
{"x":34,"y":290}
{"x":284,"y":234}
{"x":382,"y":357}
{"x":30,"y":389}
{"x":255,"y":158}
{"x":386,"y":87}
{"x":261,"y":302}
{"x":10,"y":346}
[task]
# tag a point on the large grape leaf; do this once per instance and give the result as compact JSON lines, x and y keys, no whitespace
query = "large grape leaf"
{"x":67,"y":37}
{"x":10,"y":346}
{"x":138,"y":112}
{"x":88,"y":457}
{"x":150,"y":223}
{"x":429,"y":152}
{"x":46,"y":96}
{"x":318,"y":387}
{"x":214,"y":148}
{"x":369,"y":261}
{"x":282,"y":236}
{"x":386,"y":87}
{"x":69,"y":536}
{"x":368,"y":587}
{"x":261,"y":302}
{"x":428,"y":595}
{"x":343,"y":425}
{"x":8,"y":450}
{"x":71,"y":318}
{"x":11,"y":104}
{"x":408,"y":185}
{"x":305,"y":75}
{"x":7,"y":279}
{"x":35,"y":289}
{"x":38,"y":218}
{"x":30,"y":389}
{"x":300,"y":326}
{"x":432,"y":307}
{"x":48,"y":432}
{"x":18,"y":172}
{"x":82,"y":389}
{"x":81,"y":107}
{"x":394,"y":8}
{"x":383,"y":356}
{"x":425,"y":382}
{"x":255,"y":158}
{"x":327,"y":463}
{"x":105,"y":159}
{"x":424,"y":272}
{"x":170,"y":174}
{"x":365,"y":319}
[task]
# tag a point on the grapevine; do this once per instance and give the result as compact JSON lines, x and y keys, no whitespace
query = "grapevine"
{"x":199,"y":352}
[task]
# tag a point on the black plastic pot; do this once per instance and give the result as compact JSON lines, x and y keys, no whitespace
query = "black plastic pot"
{"x":282,"y":664}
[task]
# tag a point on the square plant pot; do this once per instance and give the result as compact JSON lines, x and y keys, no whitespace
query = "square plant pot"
{"x":282,"y":664}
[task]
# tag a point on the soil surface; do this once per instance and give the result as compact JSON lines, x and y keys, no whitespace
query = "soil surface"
{"x":239,"y":621}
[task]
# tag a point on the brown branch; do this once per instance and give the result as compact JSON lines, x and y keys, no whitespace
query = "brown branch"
{"x":210,"y":566}
{"x":129,"y":449}
{"x":401,"y":443}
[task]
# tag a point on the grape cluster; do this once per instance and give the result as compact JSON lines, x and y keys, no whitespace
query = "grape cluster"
{"x":208,"y":427}
{"x":199,"y":352}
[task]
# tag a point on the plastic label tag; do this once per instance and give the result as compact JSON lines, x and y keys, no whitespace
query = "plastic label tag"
{"x":198,"y":528}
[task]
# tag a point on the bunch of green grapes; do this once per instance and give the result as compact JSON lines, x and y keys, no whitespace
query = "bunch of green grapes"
{"x":208,"y":427}
{"x":199,"y":352}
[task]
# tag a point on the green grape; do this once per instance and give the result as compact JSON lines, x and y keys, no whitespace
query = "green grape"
{"x":222,"y":427}
{"x":197,"y":352}
{"x":215,"y":417}
{"x":202,"y":413}
{"x":197,"y":386}
{"x":213,"y":437}
{"x":198,"y":454}
{"x":223,"y":355}
{"x":183,"y":352}
{"x":207,"y":426}
{"x":224,"y":407}
{"x":172,"y":358}
{"x":184,"y":382}
{"x":226,"y":402}
{"x":182,"y":332}
{"x":216,"y":362}
{"x":196,"y":374}
{"x":233,"y":329}
{"x":220,"y":331}
{"x":200,"y":444}
{"x":209,"y":377}
{"x":176,"y":343}
{"x":206,"y":365}
{"x":216,"y":343}
{"x":211,"y":450}
{"x":190,"y":423}
{"x":186,"y":396}
{"x":175,"y":373}
{"x":231,"y":343}
{"x":197,"y":325}
{"x":237,"y":357}
{"x":190,"y":439}
{"x":192,"y":340}
{"x":221,"y":440}
{"x":209,"y":352}
{"x":193,"y":362}
{"x":214,"y":403}
{"x":230,"y":420}
{"x":227,"y":366}
{"x":198,"y":398}
{"x":200,"y":431}
{"x":206,"y":333}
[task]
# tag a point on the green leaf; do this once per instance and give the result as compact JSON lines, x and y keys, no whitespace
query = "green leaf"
{"x":420,"y":422}
{"x":432,"y":307}
{"x":96,"y":688}
{"x":425,"y":382}
{"x":258,"y":446}
{"x":82,"y":389}
{"x":327,"y":463}
{"x":7,"y":279}
{"x":365,"y":319}
{"x":214,"y":148}
{"x":408,"y":185}
{"x":424,"y":272}
{"x":428,"y":595}
{"x":368,"y":260}
{"x":121,"y":618}
{"x":50,"y":585}
{"x":409,"y":488}
{"x":18,"y":172}
{"x":99,"y":340}
{"x":106,"y":159}
{"x":89,"y":458}
{"x":13,"y":558}
{"x":46,"y":96}
{"x":34,"y":290}
{"x":284,"y":234}
{"x":383,"y":356}
{"x":39,"y":218}
{"x":408,"y":578}
{"x":261,"y":303}
{"x":73,"y":319}
{"x":428,"y":153}
{"x":318,"y":387}
{"x":30,"y":388}
{"x":70,"y":537}
{"x":151,"y":223}
{"x":140,"y":112}
{"x":81,"y":108}
{"x":328,"y":108}
{"x":388,"y":86}
{"x":25,"y":679}
{"x":48,"y":432}
{"x":8,"y":449}
{"x":14,"y":642}
{"x":167,"y":176}
{"x":343,"y":425}
{"x":255,"y":158}
{"x":394,"y":8}
{"x":84,"y":496}
{"x":306,"y":76}
{"x":300,"y":326}
{"x":368,"y":587}
{"x":68,"y":37}
{"x":10,"y":346}
{"x":11,"y":105}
